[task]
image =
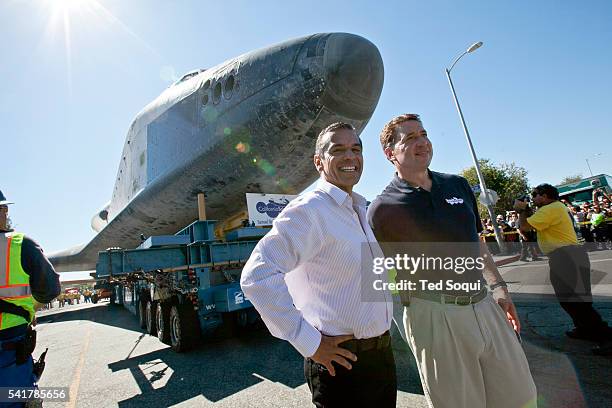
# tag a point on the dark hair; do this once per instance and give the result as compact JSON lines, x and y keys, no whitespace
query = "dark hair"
{"x":550,"y":191}
{"x":322,"y":142}
{"x":387,"y":136}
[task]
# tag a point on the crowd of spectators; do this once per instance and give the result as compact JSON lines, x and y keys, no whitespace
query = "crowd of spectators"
{"x":590,"y":218}
{"x":589,"y":221}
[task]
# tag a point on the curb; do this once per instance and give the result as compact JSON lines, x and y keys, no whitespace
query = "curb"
{"x":506,"y":261}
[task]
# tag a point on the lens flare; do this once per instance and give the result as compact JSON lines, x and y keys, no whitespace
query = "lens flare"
{"x":210,"y":115}
{"x":243,"y":147}
{"x":266,"y":167}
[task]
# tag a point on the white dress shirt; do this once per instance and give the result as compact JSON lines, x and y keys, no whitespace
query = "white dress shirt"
{"x":304,"y":277}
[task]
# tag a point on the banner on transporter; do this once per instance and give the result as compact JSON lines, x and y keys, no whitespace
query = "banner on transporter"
{"x":264,"y":208}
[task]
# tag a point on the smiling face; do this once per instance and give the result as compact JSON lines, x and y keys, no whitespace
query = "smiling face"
{"x":412,"y":150}
{"x":341,"y":162}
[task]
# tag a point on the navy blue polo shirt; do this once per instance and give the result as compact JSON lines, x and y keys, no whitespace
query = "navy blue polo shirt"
{"x":447,"y":214}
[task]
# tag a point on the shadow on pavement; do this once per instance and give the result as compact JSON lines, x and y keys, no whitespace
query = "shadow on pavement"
{"x":217,"y":368}
{"x":565,"y":371}
{"x":214,"y":370}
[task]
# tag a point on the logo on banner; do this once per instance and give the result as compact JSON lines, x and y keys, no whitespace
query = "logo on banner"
{"x":264,"y":208}
{"x":271,"y":208}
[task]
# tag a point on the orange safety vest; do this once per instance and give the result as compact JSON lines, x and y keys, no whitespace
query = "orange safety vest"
{"x":14,"y":281}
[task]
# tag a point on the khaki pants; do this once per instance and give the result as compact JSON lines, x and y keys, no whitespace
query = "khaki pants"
{"x":468,"y":356}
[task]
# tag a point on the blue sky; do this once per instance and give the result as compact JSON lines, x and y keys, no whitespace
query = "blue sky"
{"x":75,"y":72}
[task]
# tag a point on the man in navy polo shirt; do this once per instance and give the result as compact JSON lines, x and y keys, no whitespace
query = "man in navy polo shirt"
{"x":462,"y":337}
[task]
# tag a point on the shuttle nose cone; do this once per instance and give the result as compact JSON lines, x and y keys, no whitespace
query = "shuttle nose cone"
{"x":354,"y":75}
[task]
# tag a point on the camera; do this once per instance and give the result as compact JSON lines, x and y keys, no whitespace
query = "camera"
{"x":525,"y":198}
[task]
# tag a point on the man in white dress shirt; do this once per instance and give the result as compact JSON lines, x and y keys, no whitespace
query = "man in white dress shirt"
{"x":305,"y":276}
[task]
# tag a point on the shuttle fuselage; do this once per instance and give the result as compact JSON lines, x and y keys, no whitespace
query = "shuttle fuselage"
{"x":246,"y":125}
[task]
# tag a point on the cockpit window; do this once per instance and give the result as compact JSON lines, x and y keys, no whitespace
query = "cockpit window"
{"x":205,"y":90}
{"x":217,"y":93}
{"x":228,"y":90}
{"x":189,"y":75}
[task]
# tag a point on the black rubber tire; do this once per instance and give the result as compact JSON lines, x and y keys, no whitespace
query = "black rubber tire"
{"x":150,"y":309}
{"x":163,"y":322}
{"x":184,"y":327}
{"x":230,"y":326}
{"x":142,"y":313}
{"x":242,"y":320}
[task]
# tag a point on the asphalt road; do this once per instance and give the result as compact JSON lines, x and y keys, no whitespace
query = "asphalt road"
{"x":532,"y":277}
{"x":565,"y":371}
{"x":100,"y":353}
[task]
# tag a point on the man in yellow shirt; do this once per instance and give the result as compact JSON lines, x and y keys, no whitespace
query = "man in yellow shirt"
{"x":570,"y":268}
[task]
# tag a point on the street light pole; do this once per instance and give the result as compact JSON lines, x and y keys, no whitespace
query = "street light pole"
{"x":483,"y":186}
{"x":589,"y":166}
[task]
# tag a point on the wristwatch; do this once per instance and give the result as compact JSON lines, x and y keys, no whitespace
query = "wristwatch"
{"x":500,"y":284}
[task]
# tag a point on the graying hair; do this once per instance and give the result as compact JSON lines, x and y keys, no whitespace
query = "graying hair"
{"x":323,"y":142}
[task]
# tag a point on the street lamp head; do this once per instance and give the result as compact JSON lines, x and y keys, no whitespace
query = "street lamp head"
{"x":474,"y":46}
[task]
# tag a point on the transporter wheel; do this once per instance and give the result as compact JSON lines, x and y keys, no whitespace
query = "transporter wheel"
{"x":163,"y":322}
{"x":184,"y":327}
{"x":229,"y":326}
{"x":142,"y":313}
{"x":150,"y":317}
{"x":242,"y":320}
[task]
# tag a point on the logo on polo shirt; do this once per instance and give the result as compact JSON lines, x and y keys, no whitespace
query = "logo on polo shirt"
{"x":454,"y":200}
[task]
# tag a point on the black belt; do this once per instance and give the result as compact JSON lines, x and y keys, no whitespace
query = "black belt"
{"x":460,"y":300}
{"x":373,"y":343}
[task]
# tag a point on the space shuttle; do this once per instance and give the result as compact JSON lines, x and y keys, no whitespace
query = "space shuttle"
{"x":246,"y":125}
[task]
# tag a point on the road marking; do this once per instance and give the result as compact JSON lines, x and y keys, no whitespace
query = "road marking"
{"x":261,"y":377}
{"x":534,"y":265}
{"x":74,"y":387}
{"x":510,"y":268}
{"x":598,"y":289}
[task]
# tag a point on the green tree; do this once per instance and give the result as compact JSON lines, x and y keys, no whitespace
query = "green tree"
{"x":571,"y":179}
{"x":508,"y":180}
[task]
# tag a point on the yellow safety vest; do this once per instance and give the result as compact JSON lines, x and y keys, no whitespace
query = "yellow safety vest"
{"x":14,"y":281}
